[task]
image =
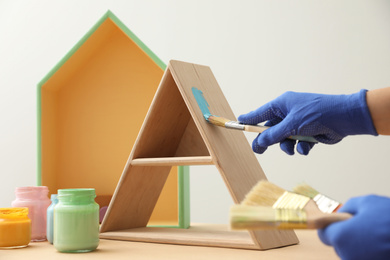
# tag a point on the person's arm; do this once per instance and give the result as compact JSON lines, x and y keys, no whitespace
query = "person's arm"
{"x":378,"y":102}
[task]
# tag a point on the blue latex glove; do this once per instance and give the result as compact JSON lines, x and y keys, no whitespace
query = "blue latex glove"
{"x":328,"y":118}
{"x":364,"y":236}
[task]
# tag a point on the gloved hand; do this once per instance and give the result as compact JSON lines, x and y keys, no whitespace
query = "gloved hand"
{"x":328,"y":118}
{"x":366,"y":235}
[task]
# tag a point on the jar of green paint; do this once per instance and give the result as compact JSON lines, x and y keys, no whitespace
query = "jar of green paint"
{"x":76,"y":221}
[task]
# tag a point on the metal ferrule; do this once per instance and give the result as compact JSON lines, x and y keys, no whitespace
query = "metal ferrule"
{"x":234,"y":125}
{"x":325,"y":204}
{"x":291,"y":200}
{"x":288,"y":218}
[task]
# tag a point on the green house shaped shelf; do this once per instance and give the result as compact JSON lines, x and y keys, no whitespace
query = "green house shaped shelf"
{"x":91,"y":106}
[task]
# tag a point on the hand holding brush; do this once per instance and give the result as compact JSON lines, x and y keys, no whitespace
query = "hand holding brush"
{"x":366,"y":235}
{"x":327,"y":118}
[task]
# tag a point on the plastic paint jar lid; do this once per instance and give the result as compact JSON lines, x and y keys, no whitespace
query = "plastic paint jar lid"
{"x":76,"y":196}
{"x":30,"y":192}
{"x":15,"y":227}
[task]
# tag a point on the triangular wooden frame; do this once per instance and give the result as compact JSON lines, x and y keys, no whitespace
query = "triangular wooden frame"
{"x":175,"y":133}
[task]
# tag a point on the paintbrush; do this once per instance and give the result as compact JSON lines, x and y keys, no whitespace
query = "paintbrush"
{"x":230,"y":124}
{"x":223,"y":122}
{"x":324,"y":203}
{"x":291,"y":205}
{"x":260,"y":217}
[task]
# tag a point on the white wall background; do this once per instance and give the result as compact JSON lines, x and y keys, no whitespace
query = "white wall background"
{"x":257,"y":50}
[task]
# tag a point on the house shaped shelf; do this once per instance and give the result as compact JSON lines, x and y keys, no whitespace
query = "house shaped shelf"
{"x":91,"y":106}
{"x":175,"y":133}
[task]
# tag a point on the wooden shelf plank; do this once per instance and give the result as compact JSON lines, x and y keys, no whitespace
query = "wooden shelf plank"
{"x":173,"y":161}
{"x":203,"y":235}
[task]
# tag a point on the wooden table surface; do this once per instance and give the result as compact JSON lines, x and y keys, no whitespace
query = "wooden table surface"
{"x":310,"y":247}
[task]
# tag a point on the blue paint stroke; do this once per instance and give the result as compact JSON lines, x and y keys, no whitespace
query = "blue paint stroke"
{"x":202,"y":103}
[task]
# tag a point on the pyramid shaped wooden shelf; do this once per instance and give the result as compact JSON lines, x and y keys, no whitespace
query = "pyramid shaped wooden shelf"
{"x":91,"y":106}
{"x":175,"y":133}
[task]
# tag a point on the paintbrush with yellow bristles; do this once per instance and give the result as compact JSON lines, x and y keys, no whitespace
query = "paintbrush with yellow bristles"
{"x":324,"y":203}
{"x":269,"y":206}
{"x":221,"y":121}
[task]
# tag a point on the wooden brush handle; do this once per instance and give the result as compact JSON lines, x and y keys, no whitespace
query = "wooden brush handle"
{"x":327,"y":219}
{"x":260,"y":129}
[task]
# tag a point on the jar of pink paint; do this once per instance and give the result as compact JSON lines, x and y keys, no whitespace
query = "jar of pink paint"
{"x":36,"y":199}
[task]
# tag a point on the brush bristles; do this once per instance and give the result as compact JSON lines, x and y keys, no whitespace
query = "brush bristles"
{"x":305,"y":190}
{"x":263,"y":193}
{"x":258,"y":217}
{"x":217,"y":120}
{"x":268,"y":194}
